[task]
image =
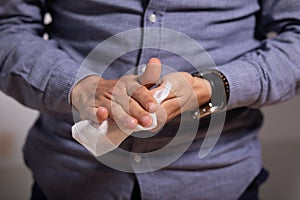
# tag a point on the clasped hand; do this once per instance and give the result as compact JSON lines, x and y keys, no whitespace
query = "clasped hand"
{"x":129,"y":100}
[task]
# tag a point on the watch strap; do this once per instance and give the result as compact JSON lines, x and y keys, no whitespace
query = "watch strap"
{"x":220,"y":92}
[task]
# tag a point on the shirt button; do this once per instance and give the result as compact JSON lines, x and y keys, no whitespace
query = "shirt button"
{"x":152,"y":18}
{"x":137,"y":158}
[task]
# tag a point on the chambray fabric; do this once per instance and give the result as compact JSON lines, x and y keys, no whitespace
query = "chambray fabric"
{"x":40,"y":75}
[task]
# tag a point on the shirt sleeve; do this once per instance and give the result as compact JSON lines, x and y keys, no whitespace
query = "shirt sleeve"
{"x":35,"y":72}
{"x":271,"y":73}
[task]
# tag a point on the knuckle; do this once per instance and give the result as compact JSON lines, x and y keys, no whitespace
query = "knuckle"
{"x":133,"y":90}
{"x":143,"y":94}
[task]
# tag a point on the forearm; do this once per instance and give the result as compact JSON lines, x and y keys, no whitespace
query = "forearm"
{"x":35,"y":72}
{"x":271,"y":73}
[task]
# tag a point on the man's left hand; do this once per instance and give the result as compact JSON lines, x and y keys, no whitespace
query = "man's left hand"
{"x":187,"y":94}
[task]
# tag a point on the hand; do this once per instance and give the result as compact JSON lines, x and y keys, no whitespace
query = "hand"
{"x":126,"y":100}
{"x":187,"y":94}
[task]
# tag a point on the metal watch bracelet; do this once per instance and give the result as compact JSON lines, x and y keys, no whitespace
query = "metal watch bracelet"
{"x":220,"y":93}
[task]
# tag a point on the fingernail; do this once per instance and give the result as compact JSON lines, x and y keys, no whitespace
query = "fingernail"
{"x":154,"y":61}
{"x":152,"y":107}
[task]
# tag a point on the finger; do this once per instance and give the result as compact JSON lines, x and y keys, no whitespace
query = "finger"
{"x":96,"y":114}
{"x":172,"y":108}
{"x":122,"y":96}
{"x":161,"y":117}
{"x":134,"y":109}
{"x":116,"y":112}
{"x":150,"y":77}
{"x":167,"y":111}
{"x":101,"y":114}
{"x":128,"y":87}
{"x":163,"y":92}
{"x":145,"y":98}
{"x":152,"y":73}
{"x":115,"y":134}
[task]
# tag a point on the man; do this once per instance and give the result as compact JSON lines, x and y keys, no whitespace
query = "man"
{"x":42,"y":75}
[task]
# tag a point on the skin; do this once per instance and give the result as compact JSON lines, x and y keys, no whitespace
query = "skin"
{"x":128,"y":100}
{"x":187,"y":94}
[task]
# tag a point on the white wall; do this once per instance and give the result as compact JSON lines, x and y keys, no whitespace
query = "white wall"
{"x":15,"y":121}
{"x":280,"y":138}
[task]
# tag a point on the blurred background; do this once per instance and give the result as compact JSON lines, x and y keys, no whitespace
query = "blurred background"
{"x":280,"y":138}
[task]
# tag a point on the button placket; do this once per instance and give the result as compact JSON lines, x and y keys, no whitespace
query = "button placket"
{"x":153,"y":17}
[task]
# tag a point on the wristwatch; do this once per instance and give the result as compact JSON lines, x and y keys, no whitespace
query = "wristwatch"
{"x":220,"y":93}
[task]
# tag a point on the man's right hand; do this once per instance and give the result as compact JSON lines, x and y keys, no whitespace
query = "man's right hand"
{"x":126,"y":100}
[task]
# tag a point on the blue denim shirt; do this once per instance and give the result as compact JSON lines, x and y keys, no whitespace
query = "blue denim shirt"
{"x":40,"y":75}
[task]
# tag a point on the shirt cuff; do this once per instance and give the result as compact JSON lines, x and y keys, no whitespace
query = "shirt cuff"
{"x":244,"y":83}
{"x":59,"y":85}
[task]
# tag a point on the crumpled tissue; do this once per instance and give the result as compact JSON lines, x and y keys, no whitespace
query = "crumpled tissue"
{"x":93,"y":136}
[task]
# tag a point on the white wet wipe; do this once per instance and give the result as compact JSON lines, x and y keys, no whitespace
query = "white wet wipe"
{"x":93,"y":136}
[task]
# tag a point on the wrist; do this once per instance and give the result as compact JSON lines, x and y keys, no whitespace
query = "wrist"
{"x":219,"y":92}
{"x":202,"y":90}
{"x":88,"y":83}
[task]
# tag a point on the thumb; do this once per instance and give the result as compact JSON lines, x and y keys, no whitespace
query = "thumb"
{"x":152,"y":73}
